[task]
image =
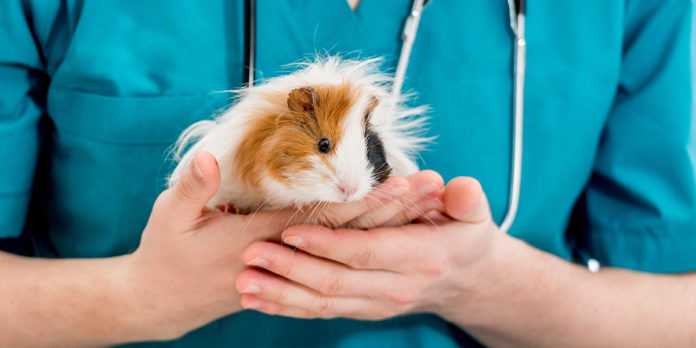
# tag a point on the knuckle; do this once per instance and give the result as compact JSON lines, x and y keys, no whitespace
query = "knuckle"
{"x":332,"y":285}
{"x":310,"y":314}
{"x":324,"y":306}
{"x":274,"y":309}
{"x":285,"y":270}
{"x":330,"y":220}
{"x":434,"y":266}
{"x":362,"y":259}
{"x":185,"y":190}
{"x":402,"y":297}
{"x":279,"y":296}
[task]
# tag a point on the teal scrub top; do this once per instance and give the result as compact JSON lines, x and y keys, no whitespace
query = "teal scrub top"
{"x":94,"y":93}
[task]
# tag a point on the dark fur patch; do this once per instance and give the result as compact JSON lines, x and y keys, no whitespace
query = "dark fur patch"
{"x":377,"y":156}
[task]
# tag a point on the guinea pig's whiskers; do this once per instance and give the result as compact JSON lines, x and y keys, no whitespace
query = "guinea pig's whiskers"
{"x":388,"y":196}
{"x":419,"y":195}
{"x":313,"y":209}
{"x":410,"y":206}
{"x":376,"y":200}
{"x":287,"y":223}
{"x":253,"y":215}
{"x":308,"y":220}
{"x":384,"y":193}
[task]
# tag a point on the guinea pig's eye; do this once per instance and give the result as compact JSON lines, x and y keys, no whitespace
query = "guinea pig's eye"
{"x":324,"y":146}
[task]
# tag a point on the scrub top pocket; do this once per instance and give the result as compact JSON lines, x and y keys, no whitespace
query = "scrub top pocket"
{"x":130,"y":120}
{"x":103,"y":144}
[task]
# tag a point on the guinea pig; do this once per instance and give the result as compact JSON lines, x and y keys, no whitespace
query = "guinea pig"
{"x":328,"y":132}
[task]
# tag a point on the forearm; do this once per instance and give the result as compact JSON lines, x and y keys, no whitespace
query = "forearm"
{"x":66,"y":303}
{"x":536,"y":299}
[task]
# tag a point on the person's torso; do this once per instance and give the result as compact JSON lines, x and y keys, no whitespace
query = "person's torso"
{"x":128,"y":76}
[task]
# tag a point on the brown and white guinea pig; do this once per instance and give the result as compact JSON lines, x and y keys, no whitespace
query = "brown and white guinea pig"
{"x":328,"y":132}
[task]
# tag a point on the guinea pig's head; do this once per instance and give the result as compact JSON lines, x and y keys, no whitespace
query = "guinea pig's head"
{"x":320,"y":147}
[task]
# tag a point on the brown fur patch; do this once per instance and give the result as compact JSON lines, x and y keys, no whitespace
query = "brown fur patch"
{"x":303,"y":99}
{"x":280,"y":140}
{"x":370,"y":108}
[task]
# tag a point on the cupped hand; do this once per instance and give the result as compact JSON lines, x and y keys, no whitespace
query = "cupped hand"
{"x":184,"y":270}
{"x":183,"y":273}
{"x":427,"y":266}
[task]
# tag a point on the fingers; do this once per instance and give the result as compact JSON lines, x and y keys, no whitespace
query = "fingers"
{"x":268,"y":225}
{"x":277,"y":296}
{"x":421,"y":209}
{"x":391,"y":204}
{"x":337,"y":214}
{"x":249,"y":301}
{"x":186,"y":200}
{"x":379,"y":249}
{"x":465,"y":200}
{"x":424,"y":195}
{"x":430,"y":185}
{"x":324,"y":276}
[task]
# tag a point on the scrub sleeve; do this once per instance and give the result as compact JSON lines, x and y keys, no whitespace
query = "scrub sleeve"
{"x":23,"y":85}
{"x":639,"y":209}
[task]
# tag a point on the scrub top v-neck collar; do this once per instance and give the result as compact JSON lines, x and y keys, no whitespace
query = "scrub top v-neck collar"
{"x":372,"y":30}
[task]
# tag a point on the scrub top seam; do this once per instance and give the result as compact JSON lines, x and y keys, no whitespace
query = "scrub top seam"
{"x":116,"y":142}
{"x":200,"y":94}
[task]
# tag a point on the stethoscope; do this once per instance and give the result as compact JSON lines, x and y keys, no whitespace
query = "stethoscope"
{"x":517,"y":22}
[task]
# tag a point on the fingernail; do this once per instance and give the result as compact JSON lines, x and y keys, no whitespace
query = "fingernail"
{"x":197,"y":170}
{"x":428,"y":188}
{"x":251,"y":289}
{"x":295,"y":241}
{"x":253,"y":305}
{"x":258,"y":262}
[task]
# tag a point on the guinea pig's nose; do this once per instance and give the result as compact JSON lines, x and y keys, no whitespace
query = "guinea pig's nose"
{"x":347,"y":189}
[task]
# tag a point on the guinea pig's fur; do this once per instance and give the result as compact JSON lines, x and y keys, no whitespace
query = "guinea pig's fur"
{"x":328,"y":132}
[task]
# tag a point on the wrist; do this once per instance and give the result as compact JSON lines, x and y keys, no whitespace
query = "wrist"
{"x":494,"y":280}
{"x":145,"y":315}
{"x":473,"y":272}
{"x":513,"y":281}
{"x":126,"y":302}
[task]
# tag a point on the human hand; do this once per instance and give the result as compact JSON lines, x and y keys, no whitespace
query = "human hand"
{"x":185,"y":268}
{"x":428,"y":266}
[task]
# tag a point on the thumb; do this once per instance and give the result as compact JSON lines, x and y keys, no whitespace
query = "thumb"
{"x":186,"y":200}
{"x":465,"y":200}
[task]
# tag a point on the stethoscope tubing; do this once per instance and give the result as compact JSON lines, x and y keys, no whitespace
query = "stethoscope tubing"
{"x":518,"y":22}
{"x":249,"y":42}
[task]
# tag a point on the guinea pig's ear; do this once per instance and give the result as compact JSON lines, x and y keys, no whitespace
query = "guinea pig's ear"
{"x":303,"y":99}
{"x":372,"y":104}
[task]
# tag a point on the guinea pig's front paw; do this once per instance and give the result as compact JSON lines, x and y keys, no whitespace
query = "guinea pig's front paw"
{"x":227,"y":208}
